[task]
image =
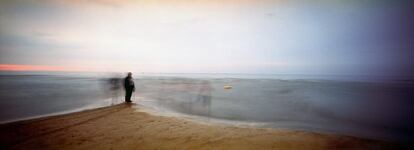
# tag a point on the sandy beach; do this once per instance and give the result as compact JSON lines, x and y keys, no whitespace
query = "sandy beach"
{"x":123,"y":127}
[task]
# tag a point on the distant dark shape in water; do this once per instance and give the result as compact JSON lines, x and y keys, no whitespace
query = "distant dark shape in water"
{"x":129,"y":87}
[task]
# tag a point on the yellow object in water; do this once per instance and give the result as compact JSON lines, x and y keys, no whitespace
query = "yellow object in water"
{"x":227,"y":87}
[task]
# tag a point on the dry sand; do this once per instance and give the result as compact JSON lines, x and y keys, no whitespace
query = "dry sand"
{"x":122,"y":127}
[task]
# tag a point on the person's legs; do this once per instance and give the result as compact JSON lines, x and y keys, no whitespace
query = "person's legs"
{"x":128,"y":95}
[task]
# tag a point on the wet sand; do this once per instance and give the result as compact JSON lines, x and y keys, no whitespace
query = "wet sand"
{"x":123,"y":127}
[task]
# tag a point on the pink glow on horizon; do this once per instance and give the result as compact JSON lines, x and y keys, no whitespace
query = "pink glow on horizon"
{"x":16,"y":67}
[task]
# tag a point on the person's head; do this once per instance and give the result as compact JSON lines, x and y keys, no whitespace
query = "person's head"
{"x":129,"y":74}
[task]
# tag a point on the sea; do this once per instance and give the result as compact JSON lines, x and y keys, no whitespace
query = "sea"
{"x":363,"y":106}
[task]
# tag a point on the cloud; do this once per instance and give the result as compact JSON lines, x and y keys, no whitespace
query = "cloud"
{"x":183,"y":3}
{"x":111,"y":3}
{"x":183,"y":35}
{"x":33,"y":40}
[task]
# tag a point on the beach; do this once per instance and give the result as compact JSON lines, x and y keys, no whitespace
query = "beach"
{"x":359,"y":109}
{"x":124,"y":126}
{"x":206,"y":74}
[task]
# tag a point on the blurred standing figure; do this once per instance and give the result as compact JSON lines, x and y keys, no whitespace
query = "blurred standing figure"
{"x":115,"y":87}
{"x":129,"y":87}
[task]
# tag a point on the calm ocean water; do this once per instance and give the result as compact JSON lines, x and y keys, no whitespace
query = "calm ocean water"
{"x":371,"y":107}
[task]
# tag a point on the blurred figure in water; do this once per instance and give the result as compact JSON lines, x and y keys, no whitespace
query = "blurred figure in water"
{"x":202,"y":104}
{"x":115,"y":87}
{"x":129,"y":87}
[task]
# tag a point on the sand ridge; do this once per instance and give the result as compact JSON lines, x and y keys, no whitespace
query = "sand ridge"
{"x":122,"y":127}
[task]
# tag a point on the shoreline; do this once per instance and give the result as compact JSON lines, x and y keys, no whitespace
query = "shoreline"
{"x":123,"y":126}
{"x":59,"y":113}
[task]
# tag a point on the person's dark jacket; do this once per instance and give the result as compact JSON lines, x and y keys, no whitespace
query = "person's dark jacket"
{"x":129,"y":84}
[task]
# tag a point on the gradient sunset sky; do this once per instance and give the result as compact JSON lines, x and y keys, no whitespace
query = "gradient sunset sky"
{"x":361,"y":37}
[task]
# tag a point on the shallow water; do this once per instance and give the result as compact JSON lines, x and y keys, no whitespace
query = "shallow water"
{"x":27,"y":96}
{"x":380,"y":110}
{"x":366,"y":109}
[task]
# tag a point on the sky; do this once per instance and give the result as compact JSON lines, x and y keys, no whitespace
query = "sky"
{"x":348,"y":37}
